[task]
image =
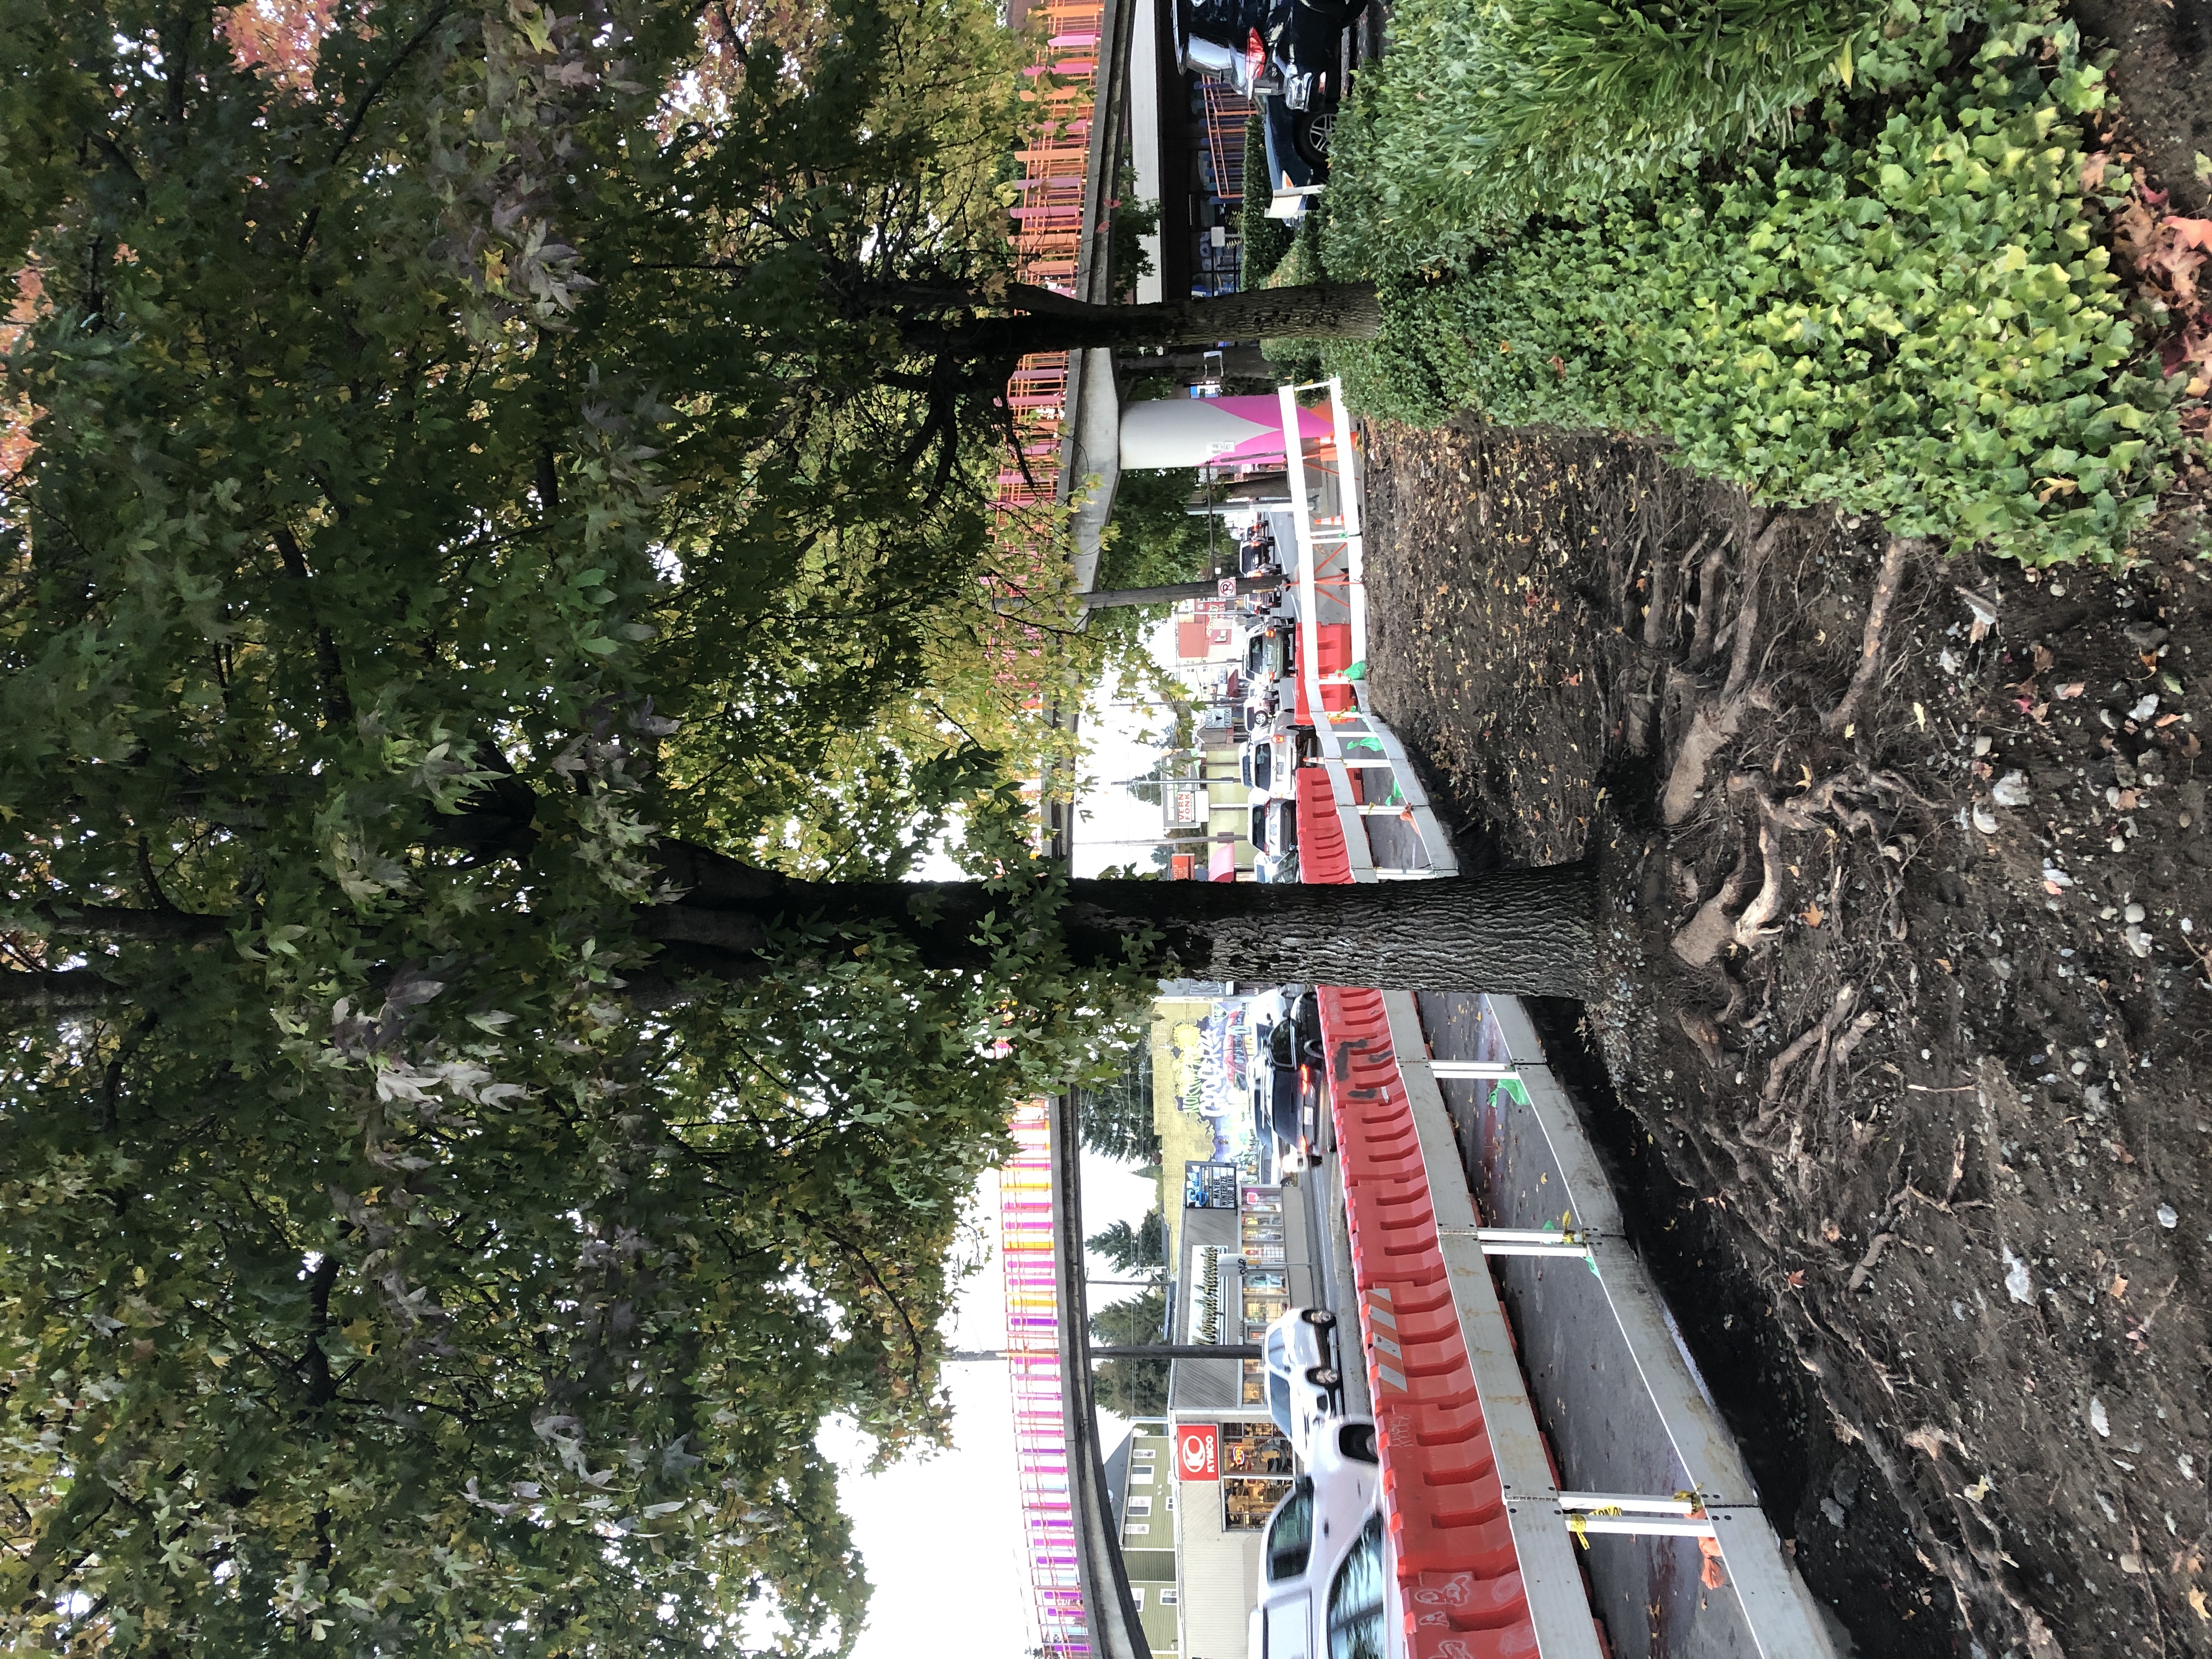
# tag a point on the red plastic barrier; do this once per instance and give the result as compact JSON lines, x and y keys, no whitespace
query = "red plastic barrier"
{"x":1333,"y":651}
{"x":1324,"y":860}
{"x":1458,"y":1575}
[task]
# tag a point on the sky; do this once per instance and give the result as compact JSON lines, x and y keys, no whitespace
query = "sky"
{"x":942,"y":1538}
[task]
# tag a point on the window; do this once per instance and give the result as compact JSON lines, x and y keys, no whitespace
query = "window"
{"x":1290,"y":1537}
{"x":1142,"y":1475}
{"x":1170,"y":1598}
{"x":1145,"y":1454}
{"x":1356,"y":1598}
{"x":1141,"y":1506}
{"x":1136,"y":1532}
{"x":1137,"y":1596}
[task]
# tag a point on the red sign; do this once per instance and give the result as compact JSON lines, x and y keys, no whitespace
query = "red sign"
{"x":1198,"y":1451}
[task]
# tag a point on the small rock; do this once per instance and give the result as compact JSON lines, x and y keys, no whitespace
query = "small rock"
{"x":2010,"y":790}
{"x":1982,"y":744}
{"x":2098,"y":1420}
{"x":2187,"y":1465}
{"x":1832,"y":1510}
{"x":2168,"y":1216}
{"x":2144,"y":709}
{"x":2131,"y":1562}
{"x":2017,"y":1284}
{"x":2134,"y":913}
{"x":2138,"y":941}
{"x":1984,"y":820}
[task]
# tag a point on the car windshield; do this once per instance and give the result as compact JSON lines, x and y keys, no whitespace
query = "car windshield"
{"x":1289,"y":1535}
{"x":1278,"y":1401}
{"x":1356,"y":1600}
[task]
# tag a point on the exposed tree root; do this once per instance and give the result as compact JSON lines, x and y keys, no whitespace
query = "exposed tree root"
{"x":1715,"y":724}
{"x":1885,"y":591}
{"x":1701,"y":938}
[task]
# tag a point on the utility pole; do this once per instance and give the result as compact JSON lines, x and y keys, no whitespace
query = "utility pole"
{"x":1177,"y":591}
{"x":1132,"y":1351}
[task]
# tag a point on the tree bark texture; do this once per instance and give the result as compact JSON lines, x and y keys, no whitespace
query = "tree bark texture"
{"x":1328,"y":309}
{"x":1523,"y":933}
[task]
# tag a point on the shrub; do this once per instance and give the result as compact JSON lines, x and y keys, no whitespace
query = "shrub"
{"x":1918,"y":325}
{"x":1485,"y":110}
{"x":1266,"y":241}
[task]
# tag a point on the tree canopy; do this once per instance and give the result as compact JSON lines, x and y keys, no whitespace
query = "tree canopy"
{"x":398,"y":556}
{"x":494,"y":584}
{"x":1130,"y":1248}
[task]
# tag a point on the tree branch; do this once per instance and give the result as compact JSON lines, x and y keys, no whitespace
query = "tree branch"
{"x":66,"y":991}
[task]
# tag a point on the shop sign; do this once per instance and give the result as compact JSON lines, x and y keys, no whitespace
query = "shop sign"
{"x":1206,"y":1293}
{"x":1198,"y":1451}
{"x":1209,"y":1186}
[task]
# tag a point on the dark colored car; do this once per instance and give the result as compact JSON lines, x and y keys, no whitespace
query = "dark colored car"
{"x":1286,"y":1087}
{"x":1271,"y":649}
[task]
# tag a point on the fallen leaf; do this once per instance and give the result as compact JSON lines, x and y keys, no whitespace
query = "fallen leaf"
{"x":1978,"y":1490}
{"x":2198,"y":1606}
{"x":1814,"y":915}
{"x":2042,"y":657}
{"x":2073,"y":689}
{"x":1797,"y":1279}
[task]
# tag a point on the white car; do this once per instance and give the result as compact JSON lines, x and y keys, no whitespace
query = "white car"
{"x":1325,"y":1567}
{"x":1269,"y":764}
{"x":1305,"y":1391}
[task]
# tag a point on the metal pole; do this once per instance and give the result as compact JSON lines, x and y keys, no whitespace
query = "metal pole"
{"x":1178,"y":591}
{"x":1137,"y":1351}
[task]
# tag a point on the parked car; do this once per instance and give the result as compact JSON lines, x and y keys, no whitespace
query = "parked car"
{"x":1271,"y":648}
{"x":1283,"y":54}
{"x":1269,"y":763}
{"x":1275,"y":827}
{"x":1324,"y":1559}
{"x":1305,"y":1390}
{"x":1287,"y":1074}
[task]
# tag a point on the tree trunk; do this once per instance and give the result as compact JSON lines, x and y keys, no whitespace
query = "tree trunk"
{"x":1169,"y":595}
{"x":1052,"y":322}
{"x":1523,"y":933}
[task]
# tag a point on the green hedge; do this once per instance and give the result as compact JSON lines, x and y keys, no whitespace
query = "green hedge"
{"x":1920,"y":325}
{"x":1266,"y":241}
{"x":1485,"y":111}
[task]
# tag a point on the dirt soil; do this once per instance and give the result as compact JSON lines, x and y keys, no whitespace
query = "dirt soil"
{"x":1903,"y":1007}
{"x":2162,"y":72}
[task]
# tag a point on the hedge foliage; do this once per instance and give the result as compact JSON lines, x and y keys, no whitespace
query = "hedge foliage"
{"x":1914,"y":321}
{"x":1485,"y":111}
{"x":1266,"y":241}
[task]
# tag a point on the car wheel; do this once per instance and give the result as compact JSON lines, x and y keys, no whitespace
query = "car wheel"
{"x":1319,"y":1317}
{"x":1325,"y":1377}
{"x":1357,"y":1442}
{"x":1310,"y":131}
